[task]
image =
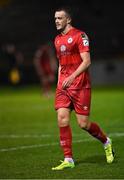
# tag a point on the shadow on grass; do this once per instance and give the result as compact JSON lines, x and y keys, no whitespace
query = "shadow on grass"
{"x":97,"y":159}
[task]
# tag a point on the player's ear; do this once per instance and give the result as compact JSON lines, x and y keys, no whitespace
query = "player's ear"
{"x":69,"y":20}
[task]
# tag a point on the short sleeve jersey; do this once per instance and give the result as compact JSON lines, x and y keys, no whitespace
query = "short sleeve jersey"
{"x":68,"y":49}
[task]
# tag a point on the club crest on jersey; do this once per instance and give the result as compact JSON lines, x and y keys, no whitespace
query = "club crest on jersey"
{"x":70,"y":40}
{"x":62,"y":48}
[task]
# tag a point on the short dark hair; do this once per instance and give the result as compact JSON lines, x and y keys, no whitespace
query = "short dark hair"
{"x":67,"y":10}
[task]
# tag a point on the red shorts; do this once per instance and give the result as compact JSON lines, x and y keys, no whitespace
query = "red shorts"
{"x":78,"y":99}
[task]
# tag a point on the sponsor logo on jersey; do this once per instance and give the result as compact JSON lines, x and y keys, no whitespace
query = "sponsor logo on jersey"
{"x":85,"y":39}
{"x":70,"y":40}
{"x":62,"y":48}
{"x":85,"y":42}
{"x":84,"y":36}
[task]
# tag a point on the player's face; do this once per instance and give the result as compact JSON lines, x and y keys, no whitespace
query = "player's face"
{"x":61,"y":20}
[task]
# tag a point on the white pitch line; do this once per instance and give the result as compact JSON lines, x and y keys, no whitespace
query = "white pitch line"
{"x":27,"y":147}
{"x":14,"y":136}
{"x":54,"y":144}
{"x":40,"y":145}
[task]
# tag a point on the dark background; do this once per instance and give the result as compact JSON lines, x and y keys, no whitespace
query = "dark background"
{"x":28,"y":23}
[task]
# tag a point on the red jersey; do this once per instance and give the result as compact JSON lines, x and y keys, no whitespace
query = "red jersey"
{"x":43,"y":54}
{"x":68,"y":48}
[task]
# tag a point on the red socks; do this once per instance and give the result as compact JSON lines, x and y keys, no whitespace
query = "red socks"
{"x":66,"y":141}
{"x":66,"y":137}
{"x":96,"y":132}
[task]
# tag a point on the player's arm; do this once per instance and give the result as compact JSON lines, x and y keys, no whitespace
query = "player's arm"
{"x":86,"y":61}
{"x":59,"y":69}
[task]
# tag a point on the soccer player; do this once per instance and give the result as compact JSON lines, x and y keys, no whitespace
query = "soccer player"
{"x":73,"y":90}
{"x":45,"y":64}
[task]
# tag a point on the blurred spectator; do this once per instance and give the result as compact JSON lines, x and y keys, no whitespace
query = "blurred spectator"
{"x":46,"y":66}
{"x":13,"y":60}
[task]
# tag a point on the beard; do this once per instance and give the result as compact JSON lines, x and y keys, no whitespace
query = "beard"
{"x":61,"y":29}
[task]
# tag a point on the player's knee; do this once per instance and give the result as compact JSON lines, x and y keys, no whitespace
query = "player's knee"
{"x":83,"y":124}
{"x":62,"y":120}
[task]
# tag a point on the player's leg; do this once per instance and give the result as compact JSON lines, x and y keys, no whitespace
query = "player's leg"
{"x":62,"y":105}
{"x":65,"y":138}
{"x":93,"y":129}
{"x":82,"y":109}
{"x":65,"y":131}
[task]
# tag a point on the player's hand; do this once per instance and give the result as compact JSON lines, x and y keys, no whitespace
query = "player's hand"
{"x":68,"y":81}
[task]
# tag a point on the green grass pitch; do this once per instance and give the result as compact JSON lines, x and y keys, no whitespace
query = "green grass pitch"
{"x":29,"y":138}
